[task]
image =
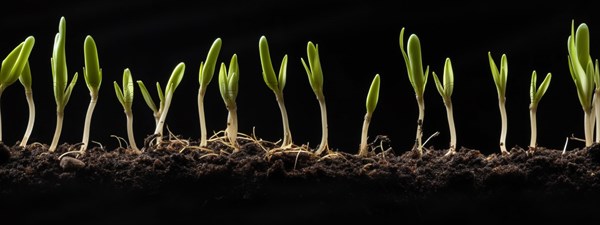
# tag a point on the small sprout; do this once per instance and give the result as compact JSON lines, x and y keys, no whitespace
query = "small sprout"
{"x":205,"y":76}
{"x":315,"y":77}
{"x":25,"y":80}
{"x":93,"y":78}
{"x":165,"y":98}
{"x":228,"y":85}
{"x":445,"y":89}
{"x":62,"y":92}
{"x":13,"y":66}
{"x":582,"y":72}
{"x":125,"y":96}
{"x":371,"y":103}
{"x":500,"y":77}
{"x":535,"y":95}
{"x":276,"y":85}
{"x":418,"y":80}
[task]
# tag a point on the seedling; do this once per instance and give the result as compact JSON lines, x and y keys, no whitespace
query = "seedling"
{"x":535,"y":94}
{"x":582,"y":70}
{"x":125,"y":96}
{"x":160,"y":114}
{"x":228,"y":85}
{"x":62,"y":92}
{"x":93,"y":78}
{"x":205,"y":76}
{"x":418,"y":80}
{"x":276,"y":84}
{"x":500,"y":77}
{"x":445,"y":89}
{"x":371,"y":103}
{"x":315,"y":78}
{"x":13,"y":65}
{"x":25,"y":80}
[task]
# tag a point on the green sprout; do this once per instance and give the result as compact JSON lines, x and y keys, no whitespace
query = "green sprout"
{"x":93,"y":78}
{"x":13,"y":66}
{"x":371,"y":103}
{"x":418,"y":80}
{"x":204,"y":77}
{"x":535,"y":94}
{"x":315,"y":78}
{"x":276,"y":84}
{"x":228,"y":85}
{"x":582,"y":72}
{"x":62,"y":92}
{"x":160,"y":114}
{"x":125,"y":96}
{"x":445,"y":89}
{"x":500,"y":77}
{"x":25,"y":80}
{"x":596,"y":100}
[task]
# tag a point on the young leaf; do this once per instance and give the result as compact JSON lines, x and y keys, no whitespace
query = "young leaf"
{"x":147,"y":96}
{"x":175,"y":78}
{"x":373,"y":96}
{"x":267,"y":66}
{"x":208,"y":69}
{"x":92,"y":71}
{"x":447,"y":88}
{"x":313,"y":69}
{"x":537,"y":93}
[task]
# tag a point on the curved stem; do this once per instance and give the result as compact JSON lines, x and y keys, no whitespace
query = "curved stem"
{"x":324,"y":137}
{"x":502,"y":106}
{"x":232,"y":127}
{"x":419,"y":136}
{"x":203,"y":135}
{"x":451,"y":127}
{"x":363,"y":150}
{"x":60,"y":114}
{"x":533,"y":119}
{"x":129,"y":115}
{"x":88,"y":122}
{"x":30,"y":123}
{"x":163,"y":117}
{"x":287,"y":134}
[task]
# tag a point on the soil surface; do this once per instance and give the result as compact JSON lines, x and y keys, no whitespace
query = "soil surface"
{"x":178,"y":182}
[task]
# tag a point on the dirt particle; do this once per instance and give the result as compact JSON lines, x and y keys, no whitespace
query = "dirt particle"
{"x":158,"y":165}
{"x":4,"y":153}
{"x":71,"y":164}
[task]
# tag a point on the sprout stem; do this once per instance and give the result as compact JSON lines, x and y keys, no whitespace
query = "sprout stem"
{"x":363,"y":151}
{"x":232,"y":127}
{"x":203,"y":133}
{"x":324,"y":144}
{"x":451,"y":127}
{"x":88,"y":122}
{"x":163,"y":117}
{"x":533,"y":119}
{"x":597,"y":113}
{"x":418,"y":146}
{"x":1,"y":90}
{"x":30,"y":103}
{"x":60,"y":114}
{"x":129,"y":115}
{"x":287,"y":134}
{"x":588,"y":126}
{"x":502,"y":106}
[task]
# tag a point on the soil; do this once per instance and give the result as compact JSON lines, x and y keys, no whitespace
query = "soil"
{"x":178,"y":183}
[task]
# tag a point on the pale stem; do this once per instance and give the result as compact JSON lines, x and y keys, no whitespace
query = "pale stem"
{"x":1,"y":90}
{"x":419,"y":136}
{"x":597,"y":113}
{"x":324,"y":144}
{"x":129,"y":115}
{"x":163,"y":117}
{"x":60,"y":114}
{"x":203,"y":133}
{"x":363,"y":150}
{"x":533,"y":119}
{"x":451,"y":127}
{"x":30,"y":103}
{"x":88,"y":121}
{"x":232,"y":127}
{"x":589,"y":127}
{"x":502,"y":106}
{"x":287,"y":134}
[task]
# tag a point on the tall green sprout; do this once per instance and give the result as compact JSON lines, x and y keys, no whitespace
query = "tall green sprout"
{"x":315,"y":78}
{"x":445,"y":89}
{"x":160,"y":114}
{"x":582,"y":72}
{"x":276,"y":84}
{"x":25,"y":80}
{"x":418,"y":80}
{"x":204,"y":77}
{"x":125,"y":97}
{"x":535,"y":95}
{"x":371,"y":103}
{"x":500,"y":77}
{"x":62,"y":92}
{"x":13,"y":66}
{"x":93,"y":78}
{"x":228,"y":85}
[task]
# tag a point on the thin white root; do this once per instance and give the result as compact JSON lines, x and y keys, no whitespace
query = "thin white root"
{"x":565,"y":148}
{"x":119,"y":139}
{"x":430,"y":137}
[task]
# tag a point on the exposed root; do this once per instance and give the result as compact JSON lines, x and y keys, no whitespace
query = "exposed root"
{"x":119,"y":139}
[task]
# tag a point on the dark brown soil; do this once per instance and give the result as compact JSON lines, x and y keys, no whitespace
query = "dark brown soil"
{"x":178,"y":184}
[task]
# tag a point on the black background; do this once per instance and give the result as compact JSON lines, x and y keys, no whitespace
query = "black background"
{"x":357,"y":39}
